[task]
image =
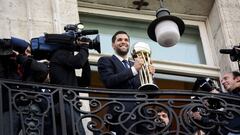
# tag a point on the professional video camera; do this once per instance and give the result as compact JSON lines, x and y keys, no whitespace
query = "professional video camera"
{"x":234,"y":53}
{"x":8,"y":45}
{"x":204,"y":84}
{"x":42,"y":47}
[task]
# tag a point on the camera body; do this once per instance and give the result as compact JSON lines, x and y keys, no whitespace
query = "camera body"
{"x":8,"y":45}
{"x":42,"y":47}
{"x":204,"y":84}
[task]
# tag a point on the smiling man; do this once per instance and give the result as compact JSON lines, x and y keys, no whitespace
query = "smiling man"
{"x":231,"y":82}
{"x":118,"y":72}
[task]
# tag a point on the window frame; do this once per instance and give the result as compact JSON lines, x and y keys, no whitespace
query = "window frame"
{"x":178,"y":68}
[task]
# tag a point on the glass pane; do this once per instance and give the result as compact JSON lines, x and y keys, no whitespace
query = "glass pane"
{"x":188,"y":50}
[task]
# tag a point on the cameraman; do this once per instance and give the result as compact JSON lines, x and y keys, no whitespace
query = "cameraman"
{"x":26,"y":69}
{"x":32,"y":70}
{"x":205,"y":84}
{"x":231,"y":83}
{"x":8,"y":64}
{"x":16,"y":61}
{"x":8,"y":70}
{"x":63,"y":63}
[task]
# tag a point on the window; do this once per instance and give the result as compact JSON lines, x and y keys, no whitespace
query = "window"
{"x":188,"y":50}
{"x":191,"y":57}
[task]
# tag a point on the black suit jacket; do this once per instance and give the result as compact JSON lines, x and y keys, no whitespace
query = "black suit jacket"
{"x":115,"y":76}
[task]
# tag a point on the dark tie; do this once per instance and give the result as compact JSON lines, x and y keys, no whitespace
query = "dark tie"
{"x":125,"y":62}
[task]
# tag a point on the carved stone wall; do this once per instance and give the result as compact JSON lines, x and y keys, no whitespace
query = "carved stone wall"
{"x":31,"y":18}
{"x":224,"y":26}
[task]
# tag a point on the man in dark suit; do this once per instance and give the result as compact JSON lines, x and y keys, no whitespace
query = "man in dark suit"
{"x":117,"y":72}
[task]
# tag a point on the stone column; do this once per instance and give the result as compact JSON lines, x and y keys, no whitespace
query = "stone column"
{"x":31,"y":18}
{"x":224,"y":22}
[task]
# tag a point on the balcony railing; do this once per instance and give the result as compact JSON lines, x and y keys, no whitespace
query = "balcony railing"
{"x":35,"y":109}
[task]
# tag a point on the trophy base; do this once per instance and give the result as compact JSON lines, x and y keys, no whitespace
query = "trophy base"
{"x":149,"y":87}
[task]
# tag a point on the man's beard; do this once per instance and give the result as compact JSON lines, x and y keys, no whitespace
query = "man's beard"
{"x":122,"y":53}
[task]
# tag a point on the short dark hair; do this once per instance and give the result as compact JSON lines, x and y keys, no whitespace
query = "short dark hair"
{"x":235,"y":74}
{"x":161,"y":110}
{"x":118,"y":32}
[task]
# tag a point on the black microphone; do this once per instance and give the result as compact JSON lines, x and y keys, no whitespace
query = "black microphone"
{"x":226,"y":51}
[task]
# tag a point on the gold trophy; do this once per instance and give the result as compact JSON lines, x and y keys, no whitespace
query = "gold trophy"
{"x":142,"y":50}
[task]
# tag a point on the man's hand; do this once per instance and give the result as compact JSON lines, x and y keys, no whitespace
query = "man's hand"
{"x":138,"y":63}
{"x":28,"y":51}
{"x":196,"y":115}
{"x":16,"y":52}
{"x":151,"y":69}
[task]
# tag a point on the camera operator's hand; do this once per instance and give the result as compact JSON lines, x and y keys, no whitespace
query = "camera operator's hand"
{"x":83,"y":41}
{"x":14,"y":55}
{"x":16,"y":52}
{"x":28,"y":51}
{"x":195,"y":115}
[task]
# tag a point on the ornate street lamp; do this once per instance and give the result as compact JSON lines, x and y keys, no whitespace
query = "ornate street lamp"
{"x":166,"y":29}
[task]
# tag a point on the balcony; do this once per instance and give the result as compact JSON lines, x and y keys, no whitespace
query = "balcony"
{"x":35,"y":109}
